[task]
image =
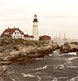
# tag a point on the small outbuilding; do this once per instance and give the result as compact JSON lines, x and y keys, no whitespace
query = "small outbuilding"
{"x":28,"y":37}
{"x":44,"y":37}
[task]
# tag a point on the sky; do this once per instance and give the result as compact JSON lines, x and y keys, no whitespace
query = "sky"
{"x":55,"y":16}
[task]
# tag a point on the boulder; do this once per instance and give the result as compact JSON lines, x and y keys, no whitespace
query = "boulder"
{"x":69,"y":47}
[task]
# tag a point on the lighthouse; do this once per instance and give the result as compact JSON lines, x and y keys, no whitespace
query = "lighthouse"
{"x":35,"y":28}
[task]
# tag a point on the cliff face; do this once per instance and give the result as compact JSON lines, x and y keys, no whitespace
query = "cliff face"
{"x":69,"y":47}
{"x":12,"y":51}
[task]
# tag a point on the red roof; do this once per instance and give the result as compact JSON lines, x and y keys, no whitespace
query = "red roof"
{"x":26,"y":35}
{"x":30,"y":36}
{"x":10,"y":31}
{"x":44,"y":36}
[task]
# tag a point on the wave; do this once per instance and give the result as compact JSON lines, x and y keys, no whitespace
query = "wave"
{"x":73,"y":67}
{"x":72,"y":58}
{"x":39,"y":78}
{"x":74,"y":79}
{"x":27,"y":75}
{"x":72,"y":53}
{"x":55,"y":51}
{"x":55,"y":79}
{"x":44,"y":67}
{"x":50,"y":55}
{"x":13,"y":79}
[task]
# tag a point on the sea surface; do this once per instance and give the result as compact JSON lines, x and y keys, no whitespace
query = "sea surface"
{"x":55,"y":67}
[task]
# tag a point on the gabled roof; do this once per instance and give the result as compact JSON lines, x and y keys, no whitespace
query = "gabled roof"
{"x":10,"y":31}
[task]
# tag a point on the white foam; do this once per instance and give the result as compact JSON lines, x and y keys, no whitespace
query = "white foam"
{"x":55,"y":51}
{"x":72,"y":53}
{"x":55,"y":79}
{"x":27,"y":75}
{"x":72,"y":58}
{"x":61,"y":66}
{"x":69,"y":62}
{"x":44,"y":67}
{"x":74,"y":79}
{"x":50,"y":55}
{"x":13,"y":79}
{"x":39,"y":58}
{"x":74,"y":67}
{"x":62,"y":77}
{"x":39,"y":78}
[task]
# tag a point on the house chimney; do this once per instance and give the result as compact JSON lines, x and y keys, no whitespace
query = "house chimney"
{"x":14,"y":27}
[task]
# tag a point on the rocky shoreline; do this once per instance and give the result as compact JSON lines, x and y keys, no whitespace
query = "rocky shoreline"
{"x":14,"y":52}
{"x":18,"y":51}
{"x":22,"y":51}
{"x":69,"y":47}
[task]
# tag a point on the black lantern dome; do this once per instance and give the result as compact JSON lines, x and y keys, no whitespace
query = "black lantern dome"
{"x":35,"y":18}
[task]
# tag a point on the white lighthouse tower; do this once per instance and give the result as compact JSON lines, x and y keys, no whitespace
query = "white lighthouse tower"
{"x":35,"y":28}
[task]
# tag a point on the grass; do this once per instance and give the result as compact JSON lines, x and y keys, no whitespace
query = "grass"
{"x":9,"y":41}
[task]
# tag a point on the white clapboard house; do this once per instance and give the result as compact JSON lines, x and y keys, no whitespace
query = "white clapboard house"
{"x":15,"y":33}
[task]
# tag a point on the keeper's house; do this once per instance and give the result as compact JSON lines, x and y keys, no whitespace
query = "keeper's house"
{"x":15,"y":33}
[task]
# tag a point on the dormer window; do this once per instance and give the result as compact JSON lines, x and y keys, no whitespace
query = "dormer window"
{"x":16,"y":33}
{"x":6,"y":32}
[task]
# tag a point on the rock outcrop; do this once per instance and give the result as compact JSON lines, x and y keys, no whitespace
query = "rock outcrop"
{"x":69,"y":47}
{"x":3,"y":70}
{"x":21,"y":51}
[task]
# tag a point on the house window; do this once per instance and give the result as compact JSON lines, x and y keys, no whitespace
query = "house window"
{"x":17,"y":32}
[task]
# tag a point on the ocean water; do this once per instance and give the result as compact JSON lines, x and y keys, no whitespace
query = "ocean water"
{"x":55,"y":67}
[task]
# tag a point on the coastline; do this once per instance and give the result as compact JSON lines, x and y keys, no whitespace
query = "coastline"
{"x":22,"y":51}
